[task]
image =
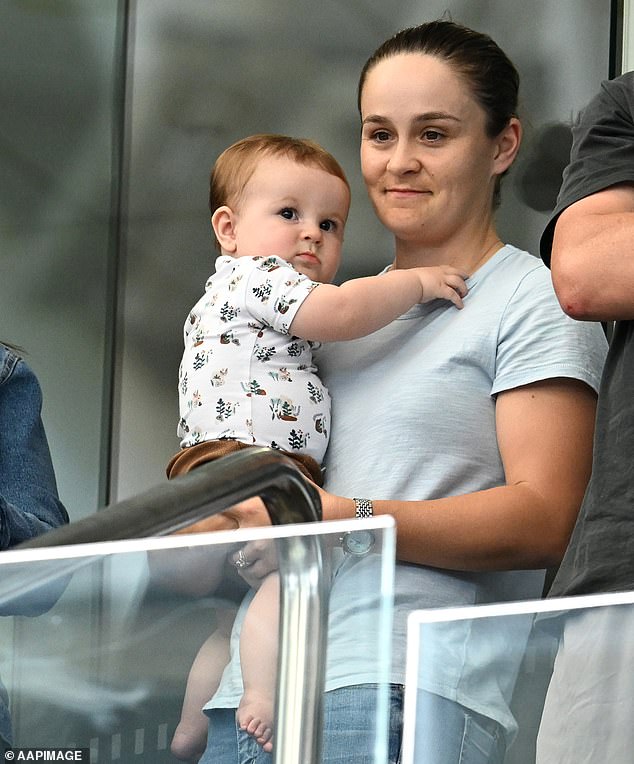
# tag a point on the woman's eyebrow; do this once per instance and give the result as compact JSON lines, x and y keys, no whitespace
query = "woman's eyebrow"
{"x":424,"y":117}
{"x":437,"y":115}
{"x":376,"y":118}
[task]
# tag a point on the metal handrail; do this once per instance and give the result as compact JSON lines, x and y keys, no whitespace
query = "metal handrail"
{"x":209,"y":490}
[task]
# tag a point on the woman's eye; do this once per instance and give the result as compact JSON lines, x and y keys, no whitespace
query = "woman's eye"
{"x":432,"y":135}
{"x":328,"y":225}
{"x":288,"y":213}
{"x":380,"y":136}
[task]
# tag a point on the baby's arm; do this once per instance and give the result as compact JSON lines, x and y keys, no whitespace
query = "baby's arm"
{"x":361,"y":306}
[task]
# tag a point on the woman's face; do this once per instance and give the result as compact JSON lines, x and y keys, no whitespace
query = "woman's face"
{"x":427,"y":161}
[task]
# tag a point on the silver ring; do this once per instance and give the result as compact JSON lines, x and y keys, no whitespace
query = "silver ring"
{"x":242,"y":561}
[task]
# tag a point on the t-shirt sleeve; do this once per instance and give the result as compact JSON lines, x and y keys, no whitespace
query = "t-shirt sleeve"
{"x":602,"y":152}
{"x":274,"y":292}
{"x":538,"y":341}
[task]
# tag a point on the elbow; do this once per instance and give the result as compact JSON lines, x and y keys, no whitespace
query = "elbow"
{"x":549,"y":536}
{"x":548,"y":552}
{"x":554,"y":554}
{"x":558,"y":539}
{"x":574,"y":294}
{"x":575,"y":305}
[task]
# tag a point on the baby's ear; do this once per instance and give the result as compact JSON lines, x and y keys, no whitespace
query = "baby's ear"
{"x":223,"y":223}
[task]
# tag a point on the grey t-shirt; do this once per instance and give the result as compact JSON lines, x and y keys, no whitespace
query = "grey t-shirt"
{"x":600,"y":556}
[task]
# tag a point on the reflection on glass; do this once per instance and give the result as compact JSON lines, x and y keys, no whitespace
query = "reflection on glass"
{"x":544,"y":681}
{"x":118,"y":647}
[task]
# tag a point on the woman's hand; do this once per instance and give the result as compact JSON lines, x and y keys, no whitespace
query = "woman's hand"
{"x":252,"y":513}
{"x":247,"y":514}
{"x":255,"y":560}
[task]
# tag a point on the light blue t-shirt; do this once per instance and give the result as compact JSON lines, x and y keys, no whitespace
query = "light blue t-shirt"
{"x":413,"y":418}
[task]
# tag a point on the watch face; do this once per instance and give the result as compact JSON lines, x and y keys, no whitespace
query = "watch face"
{"x":358,"y":542}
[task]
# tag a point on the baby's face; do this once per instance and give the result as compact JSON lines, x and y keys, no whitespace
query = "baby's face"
{"x":296,"y":212}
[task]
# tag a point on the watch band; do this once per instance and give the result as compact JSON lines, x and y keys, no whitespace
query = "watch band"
{"x":363,"y":508}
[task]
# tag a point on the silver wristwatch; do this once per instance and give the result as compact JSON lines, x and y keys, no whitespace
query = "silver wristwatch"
{"x":363,"y":508}
{"x":359,"y":543}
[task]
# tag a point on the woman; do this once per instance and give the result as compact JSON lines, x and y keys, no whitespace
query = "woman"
{"x":29,"y":504}
{"x":485,"y":414}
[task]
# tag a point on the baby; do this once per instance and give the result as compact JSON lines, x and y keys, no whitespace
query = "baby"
{"x":279,"y":206}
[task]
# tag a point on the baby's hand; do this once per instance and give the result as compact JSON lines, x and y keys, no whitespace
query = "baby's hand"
{"x":442,"y":282}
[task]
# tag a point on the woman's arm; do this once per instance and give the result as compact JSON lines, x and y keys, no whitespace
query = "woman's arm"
{"x":592,"y":258}
{"x":205,"y":570}
{"x":193,"y":571}
{"x":545,"y":435}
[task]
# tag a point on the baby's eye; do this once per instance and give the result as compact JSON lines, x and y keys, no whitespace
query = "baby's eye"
{"x":328,"y":225}
{"x":288,"y":213}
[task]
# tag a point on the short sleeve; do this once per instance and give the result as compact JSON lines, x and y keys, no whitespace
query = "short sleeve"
{"x":274,"y":292}
{"x":602,"y":152}
{"x":538,"y":341}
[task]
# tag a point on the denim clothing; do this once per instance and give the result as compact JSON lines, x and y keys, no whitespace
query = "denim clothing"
{"x":226,"y":744}
{"x":350,"y":721}
{"x":29,"y":504}
{"x":448,"y":733}
{"x":349,"y":724}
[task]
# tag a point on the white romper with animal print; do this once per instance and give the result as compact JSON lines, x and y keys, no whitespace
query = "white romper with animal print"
{"x":242,"y":375}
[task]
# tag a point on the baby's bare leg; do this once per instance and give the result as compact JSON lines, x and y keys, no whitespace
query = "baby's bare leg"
{"x":258,"y":658}
{"x":190,"y":736}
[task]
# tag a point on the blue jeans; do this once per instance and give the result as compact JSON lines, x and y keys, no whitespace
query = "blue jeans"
{"x":349,"y":715}
{"x":446,"y":732}
{"x":350,"y":724}
{"x":226,"y":744}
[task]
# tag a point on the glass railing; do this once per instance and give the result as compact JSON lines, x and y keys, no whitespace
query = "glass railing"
{"x":531,"y":681}
{"x":98,"y":639}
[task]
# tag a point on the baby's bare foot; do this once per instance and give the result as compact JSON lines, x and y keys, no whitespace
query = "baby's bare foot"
{"x":255,"y":717}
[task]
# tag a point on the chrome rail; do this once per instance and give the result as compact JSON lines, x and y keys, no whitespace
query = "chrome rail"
{"x":209,"y":490}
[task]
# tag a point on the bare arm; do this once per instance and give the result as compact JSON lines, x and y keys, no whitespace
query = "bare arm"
{"x":545,"y":438}
{"x":545,"y":433}
{"x":361,"y":306}
{"x":195,"y":571}
{"x":592,"y":256}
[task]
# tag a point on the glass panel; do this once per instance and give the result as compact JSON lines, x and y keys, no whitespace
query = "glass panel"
{"x":61,"y":92}
{"x":546,"y":681}
{"x":100,"y":638}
